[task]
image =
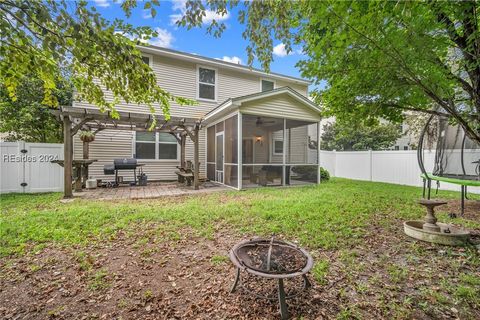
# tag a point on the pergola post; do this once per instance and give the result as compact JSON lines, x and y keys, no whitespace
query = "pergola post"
{"x":67,"y":157}
{"x":183,"y":142}
{"x":196,"y":158}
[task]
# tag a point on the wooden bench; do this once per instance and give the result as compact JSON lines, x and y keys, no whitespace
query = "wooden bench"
{"x":186,"y":174}
{"x":185,"y":177}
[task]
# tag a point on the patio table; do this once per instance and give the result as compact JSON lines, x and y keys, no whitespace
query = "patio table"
{"x":80,"y":171}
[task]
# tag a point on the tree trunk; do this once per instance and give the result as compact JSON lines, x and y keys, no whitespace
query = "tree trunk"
{"x":67,"y":157}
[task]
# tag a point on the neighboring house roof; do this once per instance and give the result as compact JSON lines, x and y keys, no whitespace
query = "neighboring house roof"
{"x":228,"y":65}
{"x":232,"y":103}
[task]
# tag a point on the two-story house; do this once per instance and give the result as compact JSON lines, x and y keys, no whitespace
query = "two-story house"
{"x":264,"y":117}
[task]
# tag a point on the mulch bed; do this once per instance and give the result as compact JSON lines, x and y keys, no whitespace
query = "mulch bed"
{"x":152,"y":275}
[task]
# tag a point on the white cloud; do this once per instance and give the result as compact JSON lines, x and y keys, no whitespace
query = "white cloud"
{"x":179,"y":9}
{"x":233,"y":59}
{"x":211,"y":15}
{"x":178,"y":5}
{"x":146,"y":14}
{"x":280,"y":51}
{"x":164,"y":38}
{"x":102,"y":3}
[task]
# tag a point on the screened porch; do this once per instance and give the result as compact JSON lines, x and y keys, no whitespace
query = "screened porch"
{"x":247,"y":150}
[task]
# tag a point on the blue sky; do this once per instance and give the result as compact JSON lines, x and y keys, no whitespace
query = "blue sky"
{"x":231,"y":46}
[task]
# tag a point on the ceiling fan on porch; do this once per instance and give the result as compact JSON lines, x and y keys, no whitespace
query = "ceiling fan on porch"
{"x":260,"y":121}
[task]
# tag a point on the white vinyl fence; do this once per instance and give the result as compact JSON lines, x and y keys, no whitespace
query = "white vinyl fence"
{"x":26,"y":167}
{"x":397,"y":167}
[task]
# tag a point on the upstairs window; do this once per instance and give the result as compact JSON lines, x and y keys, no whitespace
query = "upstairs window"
{"x":206,"y":83}
{"x":267,"y":85}
{"x":147,"y":58}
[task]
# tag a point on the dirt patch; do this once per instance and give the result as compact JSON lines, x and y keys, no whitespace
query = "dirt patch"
{"x":136,"y":277}
{"x":472,"y":209}
{"x":153,"y":274}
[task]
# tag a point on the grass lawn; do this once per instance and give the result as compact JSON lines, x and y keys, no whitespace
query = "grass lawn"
{"x":365,"y":266}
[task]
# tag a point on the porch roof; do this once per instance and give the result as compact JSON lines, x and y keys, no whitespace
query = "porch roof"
{"x":233,"y":104}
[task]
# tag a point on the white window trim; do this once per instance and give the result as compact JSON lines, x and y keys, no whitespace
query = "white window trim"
{"x":150,"y":58}
{"x":157,"y":150}
{"x":269,"y":80}
{"x":273,"y":147}
{"x":197,"y":81}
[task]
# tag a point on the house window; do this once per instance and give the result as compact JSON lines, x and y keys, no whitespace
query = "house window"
{"x":206,"y":83}
{"x":145,"y":145}
{"x":147,"y":59}
{"x":277,"y":147}
{"x":155,"y":146}
{"x":267,"y":85}
{"x":397,"y":147}
{"x":167,"y":146}
{"x":405,"y":147}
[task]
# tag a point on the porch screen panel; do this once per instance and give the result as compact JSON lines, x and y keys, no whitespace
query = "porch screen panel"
{"x":262,"y":151}
{"x":211,"y":171}
{"x":211,"y":144}
{"x":231,"y":175}
{"x":259,"y":135}
{"x":301,"y":145}
{"x":211,"y":153}
{"x":300,"y":175}
{"x":262,"y":175}
{"x":219,"y":126}
{"x":231,"y":140}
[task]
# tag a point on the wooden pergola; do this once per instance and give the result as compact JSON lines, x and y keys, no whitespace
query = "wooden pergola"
{"x":77,"y":118}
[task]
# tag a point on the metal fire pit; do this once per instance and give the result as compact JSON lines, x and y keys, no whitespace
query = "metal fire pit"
{"x":272,"y":259}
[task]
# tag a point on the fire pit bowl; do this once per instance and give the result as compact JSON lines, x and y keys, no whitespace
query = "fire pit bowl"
{"x":272,"y":259}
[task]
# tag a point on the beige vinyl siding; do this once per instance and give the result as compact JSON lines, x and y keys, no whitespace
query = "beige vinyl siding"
{"x":116,"y":144}
{"x":297,"y":144}
{"x":179,"y":77}
{"x":235,"y":84}
{"x":302,"y":89}
{"x":280,"y":107}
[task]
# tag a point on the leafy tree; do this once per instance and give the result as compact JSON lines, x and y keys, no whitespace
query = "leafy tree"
{"x":27,"y":118}
{"x":40,"y":37}
{"x":379,"y":58}
{"x":346,"y":136}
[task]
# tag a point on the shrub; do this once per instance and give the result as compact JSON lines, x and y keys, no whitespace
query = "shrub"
{"x":309,"y":173}
{"x":324,"y":174}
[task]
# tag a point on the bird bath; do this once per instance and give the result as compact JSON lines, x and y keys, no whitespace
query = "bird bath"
{"x":432,"y":231}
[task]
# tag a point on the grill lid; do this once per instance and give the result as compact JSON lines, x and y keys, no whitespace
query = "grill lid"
{"x":125,"y":163}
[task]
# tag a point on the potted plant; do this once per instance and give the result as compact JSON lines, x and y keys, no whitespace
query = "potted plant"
{"x":87,"y":136}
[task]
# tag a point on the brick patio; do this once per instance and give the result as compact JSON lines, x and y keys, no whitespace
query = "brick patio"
{"x":153,"y":190}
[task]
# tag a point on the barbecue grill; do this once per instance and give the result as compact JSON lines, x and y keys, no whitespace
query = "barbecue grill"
{"x":122,"y":164}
